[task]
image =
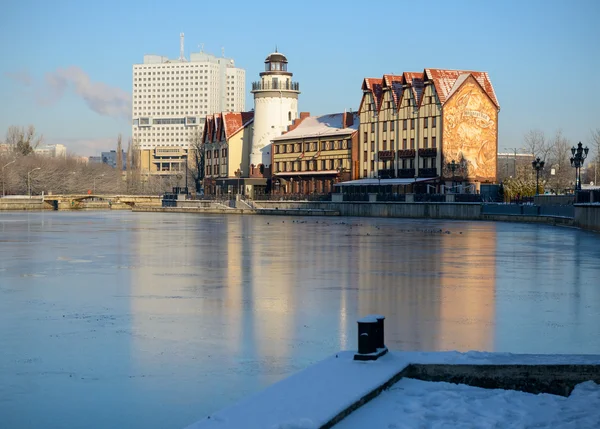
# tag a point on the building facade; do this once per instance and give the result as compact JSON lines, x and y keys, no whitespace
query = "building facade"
{"x":316,"y":153}
{"x":226,"y":142}
{"x":110,"y":158}
{"x":275,"y":108}
{"x":412,"y":126}
{"x":171,"y":99}
{"x":51,"y":151}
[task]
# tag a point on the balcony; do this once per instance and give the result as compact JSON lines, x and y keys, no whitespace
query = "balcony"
{"x":430,"y":152}
{"x":428,"y":172}
{"x":275,"y":86}
{"x":406,"y":153}
{"x":387,"y":174}
{"x":406,"y":173}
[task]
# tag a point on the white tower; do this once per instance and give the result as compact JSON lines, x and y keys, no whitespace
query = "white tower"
{"x":275,"y":107}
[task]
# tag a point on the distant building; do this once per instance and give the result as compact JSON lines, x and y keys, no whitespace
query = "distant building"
{"x":413,"y":125}
{"x":510,"y":164}
{"x":316,"y":152}
{"x":172,"y":97}
{"x":52,"y":151}
{"x":110,"y":158}
{"x":95,"y":160}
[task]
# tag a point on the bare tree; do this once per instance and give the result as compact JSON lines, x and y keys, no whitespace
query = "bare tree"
{"x":595,"y":143}
{"x":536,"y":144}
{"x":559,"y":174}
{"x":196,"y":152}
{"x":24,"y":140}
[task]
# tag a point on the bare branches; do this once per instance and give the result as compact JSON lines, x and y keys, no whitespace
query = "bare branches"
{"x":196,"y":154}
{"x":24,"y":140}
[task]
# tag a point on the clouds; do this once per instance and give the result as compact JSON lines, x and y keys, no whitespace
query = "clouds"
{"x":101,"y":98}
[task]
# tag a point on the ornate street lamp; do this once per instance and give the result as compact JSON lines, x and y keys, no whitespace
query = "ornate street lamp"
{"x":537,"y":165}
{"x":579,"y":155}
{"x":14,"y":160}
{"x":453,"y":166}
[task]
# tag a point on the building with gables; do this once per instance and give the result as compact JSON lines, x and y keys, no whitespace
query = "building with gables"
{"x":226,"y":139}
{"x":315,"y":153}
{"x":414,"y":125}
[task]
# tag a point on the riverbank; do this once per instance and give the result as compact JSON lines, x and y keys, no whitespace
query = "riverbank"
{"x":338,"y":388}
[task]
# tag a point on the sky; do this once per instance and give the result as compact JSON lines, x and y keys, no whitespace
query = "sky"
{"x":67,"y":65}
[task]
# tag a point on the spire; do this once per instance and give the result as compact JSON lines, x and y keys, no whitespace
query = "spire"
{"x":275,"y":48}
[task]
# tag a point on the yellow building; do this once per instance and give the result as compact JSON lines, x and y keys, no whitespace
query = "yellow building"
{"x":412,"y":126}
{"x":315,"y":153}
{"x":227,"y":138}
{"x":163,"y":160}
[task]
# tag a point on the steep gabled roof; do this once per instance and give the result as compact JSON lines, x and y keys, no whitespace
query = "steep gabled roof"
{"x":415,"y":80}
{"x":395,"y":84}
{"x":375,"y":86}
{"x":445,"y":82}
{"x":235,"y":121}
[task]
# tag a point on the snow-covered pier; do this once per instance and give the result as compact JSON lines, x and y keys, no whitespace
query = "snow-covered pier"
{"x":539,"y":389}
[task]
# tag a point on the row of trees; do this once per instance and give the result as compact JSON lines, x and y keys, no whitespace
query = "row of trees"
{"x":558,"y":175}
{"x":24,"y":172}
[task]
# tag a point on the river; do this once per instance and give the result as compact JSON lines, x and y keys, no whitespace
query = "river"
{"x":155,"y":320}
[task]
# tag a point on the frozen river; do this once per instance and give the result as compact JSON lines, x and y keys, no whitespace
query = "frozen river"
{"x":119,"y":319}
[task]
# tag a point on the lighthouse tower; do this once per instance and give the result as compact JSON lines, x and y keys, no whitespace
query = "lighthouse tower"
{"x":275,"y":107}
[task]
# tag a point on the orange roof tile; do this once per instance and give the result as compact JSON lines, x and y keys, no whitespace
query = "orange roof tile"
{"x":235,"y":121}
{"x":375,"y":86}
{"x":395,"y":83}
{"x":445,"y":80}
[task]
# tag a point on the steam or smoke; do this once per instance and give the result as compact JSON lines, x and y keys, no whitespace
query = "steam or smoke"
{"x":103,"y":99}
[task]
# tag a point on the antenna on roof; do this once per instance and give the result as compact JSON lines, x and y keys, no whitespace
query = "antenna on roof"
{"x":275,"y":48}
{"x":181,"y":54}
{"x":223,"y":52}
{"x":201,"y":46}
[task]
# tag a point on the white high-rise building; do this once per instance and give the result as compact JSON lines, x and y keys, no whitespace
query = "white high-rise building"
{"x":171,"y":98}
{"x":275,"y":108}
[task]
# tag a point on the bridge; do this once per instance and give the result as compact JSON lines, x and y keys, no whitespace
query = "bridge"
{"x":122,"y":202}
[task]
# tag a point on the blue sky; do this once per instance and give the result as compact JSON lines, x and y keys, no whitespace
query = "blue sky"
{"x":542,"y":56}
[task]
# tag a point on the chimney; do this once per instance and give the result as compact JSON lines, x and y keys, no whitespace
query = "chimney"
{"x":348,"y":119}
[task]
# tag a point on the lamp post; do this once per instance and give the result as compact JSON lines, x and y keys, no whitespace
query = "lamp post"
{"x":94,"y":188}
{"x":3,"y":194}
{"x":579,"y":155}
{"x":453,"y":165}
{"x":29,"y":179}
{"x":537,"y":165}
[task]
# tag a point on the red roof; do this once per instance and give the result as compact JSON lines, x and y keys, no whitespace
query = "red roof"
{"x":415,"y":80}
{"x":445,"y":80}
{"x":235,"y":121}
{"x":375,"y":86}
{"x":395,"y":83}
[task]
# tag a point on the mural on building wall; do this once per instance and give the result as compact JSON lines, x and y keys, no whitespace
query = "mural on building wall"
{"x":470,"y":133}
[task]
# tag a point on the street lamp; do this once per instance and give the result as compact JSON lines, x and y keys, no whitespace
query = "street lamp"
{"x":579,"y":155}
{"x":29,"y":179}
{"x":3,"y":194}
{"x":94,"y":188}
{"x":453,"y":166}
{"x":537,"y":165}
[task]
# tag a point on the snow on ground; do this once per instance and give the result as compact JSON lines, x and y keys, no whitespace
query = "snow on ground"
{"x":315,"y":395}
{"x":423,"y":404}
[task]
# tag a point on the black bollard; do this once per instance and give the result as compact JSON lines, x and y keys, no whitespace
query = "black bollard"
{"x":379,"y":343}
{"x":370,"y":338}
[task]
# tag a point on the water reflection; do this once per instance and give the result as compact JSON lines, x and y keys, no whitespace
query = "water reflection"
{"x":169,"y":317}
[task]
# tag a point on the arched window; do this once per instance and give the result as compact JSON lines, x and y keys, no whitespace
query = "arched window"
{"x":289,"y":116}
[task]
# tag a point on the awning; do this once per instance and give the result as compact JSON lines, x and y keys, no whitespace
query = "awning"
{"x":382,"y":182}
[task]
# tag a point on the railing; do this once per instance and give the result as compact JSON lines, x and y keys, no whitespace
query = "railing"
{"x":406,"y":173}
{"x":391,"y":197}
{"x":427,"y":172}
{"x":276,"y":85}
{"x":387,"y":174}
{"x":429,"y":198}
{"x":293,"y":197}
{"x":468,"y":198}
{"x":406,"y":153}
{"x":429,"y":152}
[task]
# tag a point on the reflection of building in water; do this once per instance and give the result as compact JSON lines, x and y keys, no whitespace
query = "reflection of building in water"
{"x":467,"y":290}
{"x":404,"y":287}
